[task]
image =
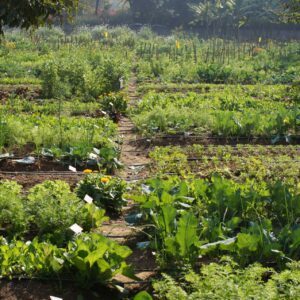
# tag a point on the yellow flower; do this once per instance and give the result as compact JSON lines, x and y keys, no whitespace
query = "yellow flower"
{"x":177,"y":44}
{"x":87,"y":171}
{"x":286,"y":120}
{"x":10,"y":45}
{"x":105,"y":34}
{"x":104,"y":179}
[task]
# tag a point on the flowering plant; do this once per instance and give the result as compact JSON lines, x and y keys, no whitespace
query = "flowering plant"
{"x":106,"y":191}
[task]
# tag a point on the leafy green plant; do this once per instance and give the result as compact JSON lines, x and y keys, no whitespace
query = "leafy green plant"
{"x":225,"y":112}
{"x":65,"y":77}
{"x":52,"y":208}
{"x":13,"y":219}
{"x":210,"y":217}
{"x":89,"y":259}
{"x":106,"y":191}
{"x":114,"y":104}
{"x":96,"y":259}
{"x":226,"y":280}
{"x":70,"y":137}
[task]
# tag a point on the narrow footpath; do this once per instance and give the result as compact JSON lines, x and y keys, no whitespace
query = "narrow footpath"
{"x":134,"y":159}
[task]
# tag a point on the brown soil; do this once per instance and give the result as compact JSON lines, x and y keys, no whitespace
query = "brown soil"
{"x":22,"y":90}
{"x":133,"y":154}
{"x":30,"y":180}
{"x":41,"y":165}
{"x":42,"y":290}
{"x":134,"y":157}
{"x":184,"y":140}
{"x":9,"y":165}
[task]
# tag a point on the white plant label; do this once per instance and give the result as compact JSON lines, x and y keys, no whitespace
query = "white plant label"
{"x":97,"y":151}
{"x":72,"y":169}
{"x":76,"y":228}
{"x":88,"y":199}
{"x":93,"y":156}
{"x":55,"y":298}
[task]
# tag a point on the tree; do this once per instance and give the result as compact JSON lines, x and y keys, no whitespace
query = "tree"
{"x":28,"y":13}
{"x":237,"y":12}
{"x":212,"y":12}
{"x":291,"y":11}
{"x":97,"y":7}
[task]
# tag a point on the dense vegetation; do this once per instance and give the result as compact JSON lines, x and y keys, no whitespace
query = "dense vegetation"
{"x":220,"y":208}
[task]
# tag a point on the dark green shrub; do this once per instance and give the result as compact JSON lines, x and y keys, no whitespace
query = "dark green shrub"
{"x":114,"y":104}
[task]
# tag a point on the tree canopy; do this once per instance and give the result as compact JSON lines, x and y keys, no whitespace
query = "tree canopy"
{"x":235,"y":13}
{"x":292,"y":11}
{"x":32,"y":13}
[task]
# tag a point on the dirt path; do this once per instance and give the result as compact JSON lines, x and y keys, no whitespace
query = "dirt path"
{"x":133,"y":155}
{"x":134,"y":158}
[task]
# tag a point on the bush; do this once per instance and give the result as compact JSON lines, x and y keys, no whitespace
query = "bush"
{"x":13,"y":220}
{"x":114,"y":104}
{"x":98,"y":32}
{"x":65,"y":77}
{"x":107,"y":76}
{"x":214,"y":73}
{"x":69,"y":76}
{"x":53,"y":208}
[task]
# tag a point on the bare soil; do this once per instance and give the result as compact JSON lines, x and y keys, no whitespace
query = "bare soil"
{"x":22,"y":90}
{"x":133,"y":154}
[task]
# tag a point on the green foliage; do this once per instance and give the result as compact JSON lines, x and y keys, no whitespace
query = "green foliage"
{"x":84,"y":73}
{"x":114,"y":104}
{"x":226,"y":280}
{"x":291,"y":11}
{"x":52,"y":208}
{"x":65,"y":77}
{"x":89,"y":259}
{"x":228,"y":112}
{"x":216,"y":216}
{"x":106,"y":191}
{"x":13,"y":220}
{"x":26,"y":14}
{"x":96,"y":259}
{"x":71,"y":137}
{"x":143,"y":295}
{"x":108,"y":75}
{"x":241,"y":162}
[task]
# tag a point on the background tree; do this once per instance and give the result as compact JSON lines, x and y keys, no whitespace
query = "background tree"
{"x":291,"y":11}
{"x":97,"y":6}
{"x":236,"y":13}
{"x":27,"y":13}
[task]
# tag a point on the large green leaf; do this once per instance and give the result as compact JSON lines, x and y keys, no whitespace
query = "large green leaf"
{"x":142,"y":296}
{"x":187,"y":233}
{"x":166,"y":218}
{"x":95,"y":255}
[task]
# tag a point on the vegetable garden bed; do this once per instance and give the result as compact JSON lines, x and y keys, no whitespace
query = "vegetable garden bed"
{"x":213,"y":212}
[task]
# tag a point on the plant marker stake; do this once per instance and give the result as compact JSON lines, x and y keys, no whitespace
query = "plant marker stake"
{"x":88,"y":199}
{"x":72,"y":169}
{"x":76,"y":228}
{"x":55,"y":298}
{"x":97,"y":151}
